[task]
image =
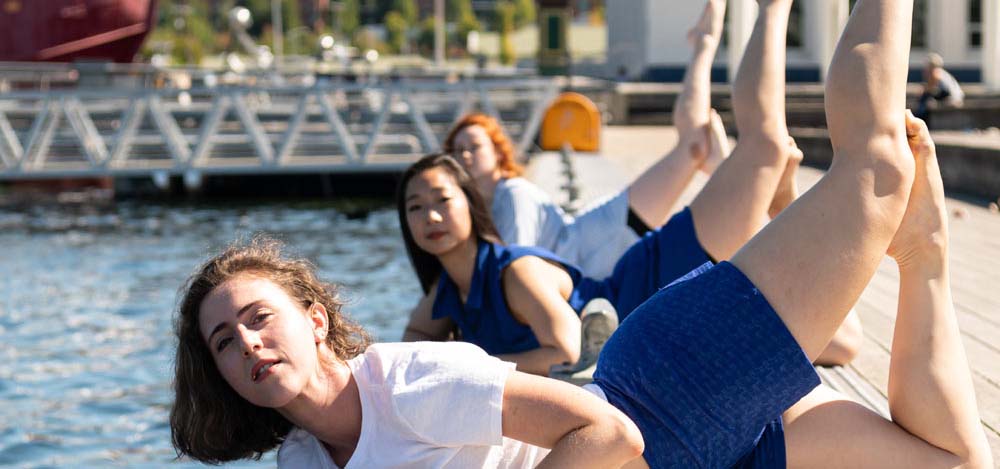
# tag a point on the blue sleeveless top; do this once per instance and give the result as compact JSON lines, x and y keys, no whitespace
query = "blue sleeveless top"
{"x":660,"y":257}
{"x":484,"y":319}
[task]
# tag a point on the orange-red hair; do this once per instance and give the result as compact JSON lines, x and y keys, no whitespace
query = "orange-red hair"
{"x":507,"y":159}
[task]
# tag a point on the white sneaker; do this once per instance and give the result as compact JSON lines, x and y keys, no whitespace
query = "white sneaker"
{"x":598,"y":321}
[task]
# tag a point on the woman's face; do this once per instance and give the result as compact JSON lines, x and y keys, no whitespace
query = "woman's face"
{"x":473,"y":148}
{"x":437,"y":211}
{"x":263,"y":342}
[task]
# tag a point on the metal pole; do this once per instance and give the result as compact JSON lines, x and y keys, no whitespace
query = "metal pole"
{"x":439,"y":33}
{"x":276,"y":30}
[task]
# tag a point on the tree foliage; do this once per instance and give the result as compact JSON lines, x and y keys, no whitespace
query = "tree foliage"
{"x":460,"y":11}
{"x":524,"y":13}
{"x":349,"y":18}
{"x":456,"y":10}
{"x":408,"y":9}
{"x":425,"y":36}
{"x":505,"y":14}
{"x":395,"y":28}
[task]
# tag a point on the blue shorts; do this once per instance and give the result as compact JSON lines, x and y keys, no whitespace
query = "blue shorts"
{"x":705,"y":368}
{"x":657,"y":259}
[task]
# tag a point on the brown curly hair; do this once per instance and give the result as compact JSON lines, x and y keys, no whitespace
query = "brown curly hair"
{"x":209,"y":421}
{"x":507,"y":161}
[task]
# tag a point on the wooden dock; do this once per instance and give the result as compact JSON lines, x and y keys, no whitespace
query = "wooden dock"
{"x":975,"y":268}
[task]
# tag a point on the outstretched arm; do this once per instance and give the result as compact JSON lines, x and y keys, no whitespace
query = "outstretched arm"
{"x":536,"y":293}
{"x":733,"y":205}
{"x":582,"y":430}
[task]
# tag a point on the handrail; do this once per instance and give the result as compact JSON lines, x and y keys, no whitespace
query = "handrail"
{"x":327,"y":127}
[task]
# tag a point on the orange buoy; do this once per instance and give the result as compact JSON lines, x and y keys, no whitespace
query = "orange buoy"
{"x":571,"y":119}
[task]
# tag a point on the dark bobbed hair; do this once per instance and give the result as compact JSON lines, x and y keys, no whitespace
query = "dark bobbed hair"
{"x":426,"y":265}
{"x":209,"y":421}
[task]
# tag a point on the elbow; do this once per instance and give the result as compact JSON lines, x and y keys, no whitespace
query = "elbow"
{"x":636,"y":445}
{"x":626,"y":436}
{"x":564,"y":348}
{"x":567,"y":354}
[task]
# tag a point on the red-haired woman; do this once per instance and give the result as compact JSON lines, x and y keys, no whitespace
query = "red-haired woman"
{"x":595,"y":239}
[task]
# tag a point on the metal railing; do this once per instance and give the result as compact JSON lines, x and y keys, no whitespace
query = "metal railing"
{"x":250,"y":130}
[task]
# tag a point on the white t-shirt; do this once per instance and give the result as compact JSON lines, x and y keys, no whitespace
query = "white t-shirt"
{"x":594,"y":240}
{"x":426,"y":405}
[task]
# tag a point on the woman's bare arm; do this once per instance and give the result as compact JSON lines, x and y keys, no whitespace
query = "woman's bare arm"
{"x":422,"y":325}
{"x":536,"y":293}
{"x":582,"y":430}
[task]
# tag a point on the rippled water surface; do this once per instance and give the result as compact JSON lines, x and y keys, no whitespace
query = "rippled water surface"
{"x":86,"y":303}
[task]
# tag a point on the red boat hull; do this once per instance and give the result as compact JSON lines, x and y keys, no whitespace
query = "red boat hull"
{"x":67,"y":30}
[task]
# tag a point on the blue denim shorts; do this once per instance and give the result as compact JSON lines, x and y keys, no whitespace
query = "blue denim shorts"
{"x":654,"y":261}
{"x":705,"y":368}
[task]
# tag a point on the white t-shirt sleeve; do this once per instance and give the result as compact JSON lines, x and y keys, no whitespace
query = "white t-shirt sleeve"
{"x":449,"y":394}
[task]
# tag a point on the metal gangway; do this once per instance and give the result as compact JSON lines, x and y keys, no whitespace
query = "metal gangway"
{"x":329,"y":127}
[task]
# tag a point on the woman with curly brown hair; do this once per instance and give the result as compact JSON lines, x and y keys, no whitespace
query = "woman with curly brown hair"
{"x":713,"y":371}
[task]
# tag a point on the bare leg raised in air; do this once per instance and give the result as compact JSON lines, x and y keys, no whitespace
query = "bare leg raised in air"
{"x":856,"y":212}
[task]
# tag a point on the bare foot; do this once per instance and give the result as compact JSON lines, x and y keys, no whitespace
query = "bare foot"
{"x":788,"y":186}
{"x":708,"y":30}
{"x":924,"y":229}
{"x":718,"y":144}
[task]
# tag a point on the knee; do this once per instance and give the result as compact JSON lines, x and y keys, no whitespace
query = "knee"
{"x":881,"y":162}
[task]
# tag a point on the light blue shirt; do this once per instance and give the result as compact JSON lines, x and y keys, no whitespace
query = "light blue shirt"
{"x":594,"y":240}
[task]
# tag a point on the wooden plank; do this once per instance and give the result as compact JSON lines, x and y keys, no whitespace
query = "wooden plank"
{"x":848,"y":382}
{"x":873,"y":364}
{"x":978,"y":336}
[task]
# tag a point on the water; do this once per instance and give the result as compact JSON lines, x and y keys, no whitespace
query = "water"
{"x":86,"y":304}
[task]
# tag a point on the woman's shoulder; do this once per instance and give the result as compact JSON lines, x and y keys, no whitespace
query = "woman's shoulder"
{"x":405,"y":360}
{"x":520,"y":189}
{"x":525,"y":259}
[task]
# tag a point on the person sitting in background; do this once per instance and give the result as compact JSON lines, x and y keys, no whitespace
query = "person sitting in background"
{"x":939,"y":86}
